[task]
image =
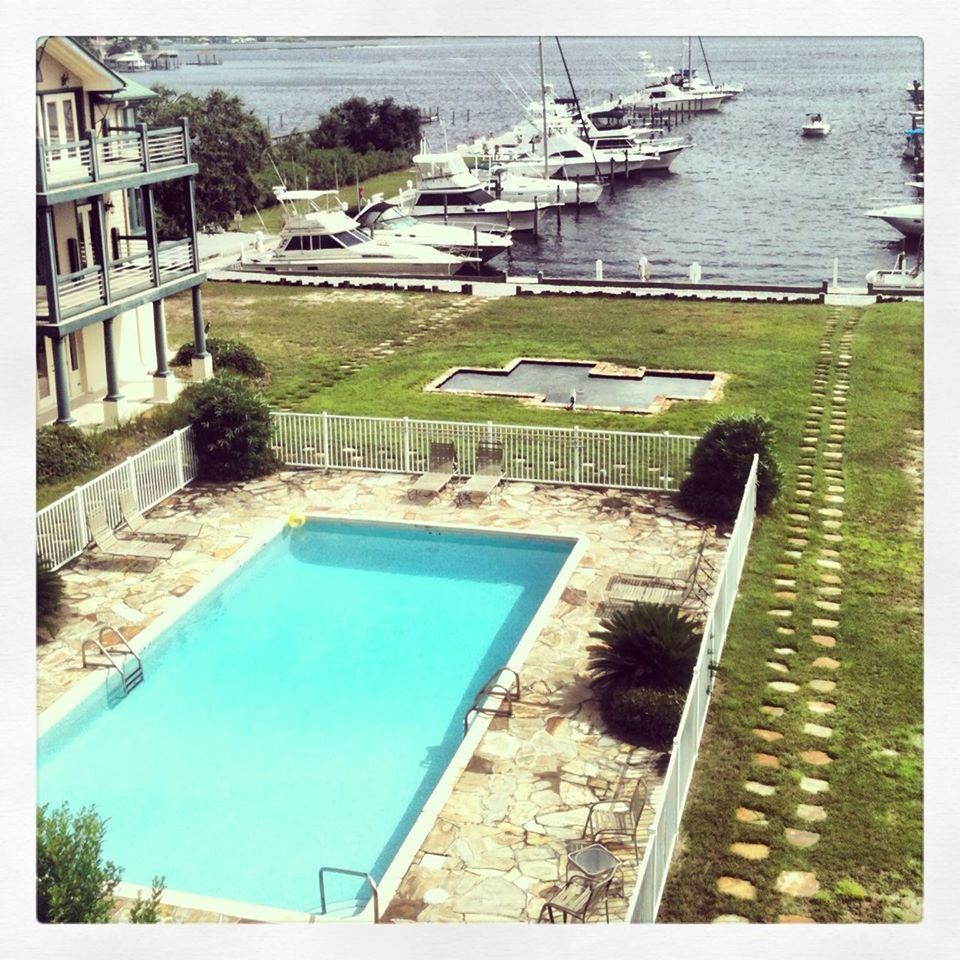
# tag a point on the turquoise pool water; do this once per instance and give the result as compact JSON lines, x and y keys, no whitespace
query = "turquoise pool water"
{"x":300,"y":714}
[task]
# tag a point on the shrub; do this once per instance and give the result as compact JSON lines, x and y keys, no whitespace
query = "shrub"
{"x":649,"y":644}
{"x":643,"y":716}
{"x":73,"y":884}
{"x":49,"y":592}
{"x":61,"y":451}
{"x":145,"y":911}
{"x":231,"y":429}
{"x":227,"y":354}
{"x":720,"y":465}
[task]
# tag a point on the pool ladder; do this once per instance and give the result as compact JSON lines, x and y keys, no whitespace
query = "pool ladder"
{"x":350,"y":873}
{"x":494,"y":688}
{"x":129,"y":680}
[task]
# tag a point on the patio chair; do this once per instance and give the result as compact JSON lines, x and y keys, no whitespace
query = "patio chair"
{"x":108,"y":542}
{"x":617,"y":817}
{"x":138,"y":523}
{"x":488,"y":474}
{"x":441,"y":463}
{"x":579,"y":895}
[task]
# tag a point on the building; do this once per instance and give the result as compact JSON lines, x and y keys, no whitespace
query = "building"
{"x":103,"y":271}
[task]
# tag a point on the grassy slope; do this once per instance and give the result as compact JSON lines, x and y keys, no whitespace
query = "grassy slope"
{"x":873,"y":834}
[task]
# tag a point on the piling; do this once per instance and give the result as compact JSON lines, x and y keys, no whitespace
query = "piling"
{"x":559,"y":206}
{"x":599,"y":269}
{"x":578,"y":193}
{"x":536,"y":217}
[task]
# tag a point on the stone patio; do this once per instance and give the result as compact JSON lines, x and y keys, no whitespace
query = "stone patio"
{"x":497,"y":847}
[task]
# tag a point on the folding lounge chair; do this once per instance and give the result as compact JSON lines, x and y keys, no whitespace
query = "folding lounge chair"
{"x":440,"y":468}
{"x":488,"y":475}
{"x":138,"y":523}
{"x":107,"y":540}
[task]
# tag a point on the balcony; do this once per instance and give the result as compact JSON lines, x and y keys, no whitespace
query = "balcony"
{"x":125,"y":278}
{"x":124,"y":158}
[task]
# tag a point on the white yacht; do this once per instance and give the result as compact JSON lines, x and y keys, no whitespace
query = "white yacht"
{"x":382,"y":218}
{"x":900,"y":277}
{"x":447,"y":192}
{"x":815,"y":126}
{"x":515,"y":180}
{"x":906,"y":217}
{"x":319,"y":238}
{"x":668,"y":97}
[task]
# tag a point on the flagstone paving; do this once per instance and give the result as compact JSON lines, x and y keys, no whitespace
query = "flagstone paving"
{"x":497,"y":847}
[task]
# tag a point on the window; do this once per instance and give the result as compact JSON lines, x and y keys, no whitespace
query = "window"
{"x":294,"y":243}
{"x":74,"y":352}
{"x":137,"y":220}
{"x":43,"y":372}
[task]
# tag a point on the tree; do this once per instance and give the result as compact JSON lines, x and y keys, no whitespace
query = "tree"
{"x":73,"y":884}
{"x":228,"y":143}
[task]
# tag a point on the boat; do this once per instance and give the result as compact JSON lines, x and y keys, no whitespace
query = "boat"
{"x":385,"y":218}
{"x":815,"y":126}
{"x":447,"y":192}
{"x":905,"y":217}
{"x":899,"y":278}
{"x":514,"y":181}
{"x":319,"y":238}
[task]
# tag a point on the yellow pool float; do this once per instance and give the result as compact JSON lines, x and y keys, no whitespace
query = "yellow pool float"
{"x":296,"y":520}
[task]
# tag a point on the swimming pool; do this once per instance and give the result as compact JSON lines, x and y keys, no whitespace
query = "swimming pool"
{"x":302,"y":712}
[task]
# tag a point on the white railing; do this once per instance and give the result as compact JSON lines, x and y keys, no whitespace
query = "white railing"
{"x":653,"y":868}
{"x":152,"y":474}
{"x":602,"y":458}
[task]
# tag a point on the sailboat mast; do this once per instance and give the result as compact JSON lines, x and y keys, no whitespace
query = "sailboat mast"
{"x":576,"y":102}
{"x":706,"y":62}
{"x":543,"y":107}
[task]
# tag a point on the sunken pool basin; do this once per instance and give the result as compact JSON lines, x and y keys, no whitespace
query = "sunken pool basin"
{"x":305,"y":711}
{"x":595,"y":386}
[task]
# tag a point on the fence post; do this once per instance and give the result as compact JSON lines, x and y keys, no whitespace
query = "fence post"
{"x":406,"y":445}
{"x":82,"y":531}
{"x":132,"y":482}
{"x":325,"y":421}
{"x":489,"y":431}
{"x":665,"y":461}
{"x":576,"y":454}
{"x":178,"y":456}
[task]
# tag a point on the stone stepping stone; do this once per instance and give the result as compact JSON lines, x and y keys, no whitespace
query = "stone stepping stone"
{"x":804,"y":494}
{"x":797,"y":541}
{"x":786,"y":567}
{"x":830,"y":591}
{"x":772,"y":710}
{"x":779,"y":582}
{"x":830,"y":511}
{"x":798,"y":532}
{"x":830,"y":578}
{"x":817,"y":730}
{"x":824,"y":640}
{"x":829,"y":605}
{"x":750,"y":851}
{"x":780,"y":613}
{"x":785,"y":595}
{"x":794,"y":918}
{"x":811,"y":812}
{"x":832,"y":455}
{"x":822,"y":686}
{"x":827,"y":663}
{"x":833,"y":537}
{"x":801,"y":838}
{"x":823,"y":623}
{"x":736,"y":887}
{"x":766,"y":760}
{"x":795,"y":555}
{"x":785,"y":651}
{"x":828,"y":564}
{"x":800,"y":518}
{"x":797,"y":883}
{"x":816,"y":757}
{"x":786,"y":631}
{"x":768,"y":735}
{"x":779,"y":667}
{"x":813,"y":785}
{"x":837,"y":488}
{"x":832,"y":524}
{"x":755,"y":817}
{"x":760,"y":789}
{"x":729,"y":918}
{"x":783,"y":686}
{"x":820,"y":706}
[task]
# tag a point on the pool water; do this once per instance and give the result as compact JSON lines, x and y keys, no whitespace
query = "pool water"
{"x":556,"y":382}
{"x":300,"y":714}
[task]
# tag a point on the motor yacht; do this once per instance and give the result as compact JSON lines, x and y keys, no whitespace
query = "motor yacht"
{"x":319,"y":238}
{"x":383,"y":218}
{"x":906,"y":217}
{"x":815,"y":126}
{"x":515,"y":181}
{"x":447,"y":192}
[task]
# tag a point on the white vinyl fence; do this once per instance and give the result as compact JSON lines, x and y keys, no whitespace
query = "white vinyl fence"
{"x":152,"y":474}
{"x":652,"y":872}
{"x":601,"y":458}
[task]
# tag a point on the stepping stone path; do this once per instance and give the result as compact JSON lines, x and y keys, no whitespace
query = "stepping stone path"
{"x":809,"y":577}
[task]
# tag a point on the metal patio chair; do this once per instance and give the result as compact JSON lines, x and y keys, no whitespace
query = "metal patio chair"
{"x":618,"y":817}
{"x":488,"y":474}
{"x":441,"y":464}
{"x":581,"y":893}
{"x":138,"y":523}
{"x":108,"y":542}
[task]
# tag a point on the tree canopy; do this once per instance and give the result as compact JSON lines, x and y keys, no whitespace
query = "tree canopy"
{"x":362,"y":125}
{"x":228,"y":142}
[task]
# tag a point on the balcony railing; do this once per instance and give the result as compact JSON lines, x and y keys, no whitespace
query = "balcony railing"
{"x":127,"y":276}
{"x":94,"y":159}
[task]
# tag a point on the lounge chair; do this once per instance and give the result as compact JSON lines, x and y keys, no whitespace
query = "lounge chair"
{"x":441,"y":463}
{"x":138,"y":523}
{"x":107,"y":540}
{"x":488,"y":475}
{"x":617,"y":817}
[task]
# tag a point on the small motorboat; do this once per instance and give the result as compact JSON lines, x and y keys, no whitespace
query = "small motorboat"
{"x":900,"y":277}
{"x":815,"y":126}
{"x":905,"y":217}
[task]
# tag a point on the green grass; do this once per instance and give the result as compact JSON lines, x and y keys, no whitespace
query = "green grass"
{"x":871,"y":841}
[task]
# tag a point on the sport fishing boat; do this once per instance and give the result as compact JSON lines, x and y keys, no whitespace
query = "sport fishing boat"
{"x":447,"y":192}
{"x":515,"y":181}
{"x":381,"y":218}
{"x":319,"y":238}
{"x":906,"y":217}
{"x":815,"y":126}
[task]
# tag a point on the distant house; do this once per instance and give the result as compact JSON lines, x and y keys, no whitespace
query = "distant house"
{"x":102,"y":271}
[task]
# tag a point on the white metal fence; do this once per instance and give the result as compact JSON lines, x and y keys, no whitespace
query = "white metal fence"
{"x":652,"y":872}
{"x":637,"y":461}
{"x":152,"y":474}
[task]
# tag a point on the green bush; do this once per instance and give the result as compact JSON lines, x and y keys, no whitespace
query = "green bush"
{"x":649,"y":644}
{"x":227,"y":354}
{"x":231,"y":429}
{"x":720,"y":465}
{"x":73,"y":884}
{"x":145,"y":911}
{"x":643,"y":716}
{"x":61,"y":451}
{"x":49,"y":592}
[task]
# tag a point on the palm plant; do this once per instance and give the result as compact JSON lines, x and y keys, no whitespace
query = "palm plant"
{"x":49,"y":592}
{"x":648,"y":644}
